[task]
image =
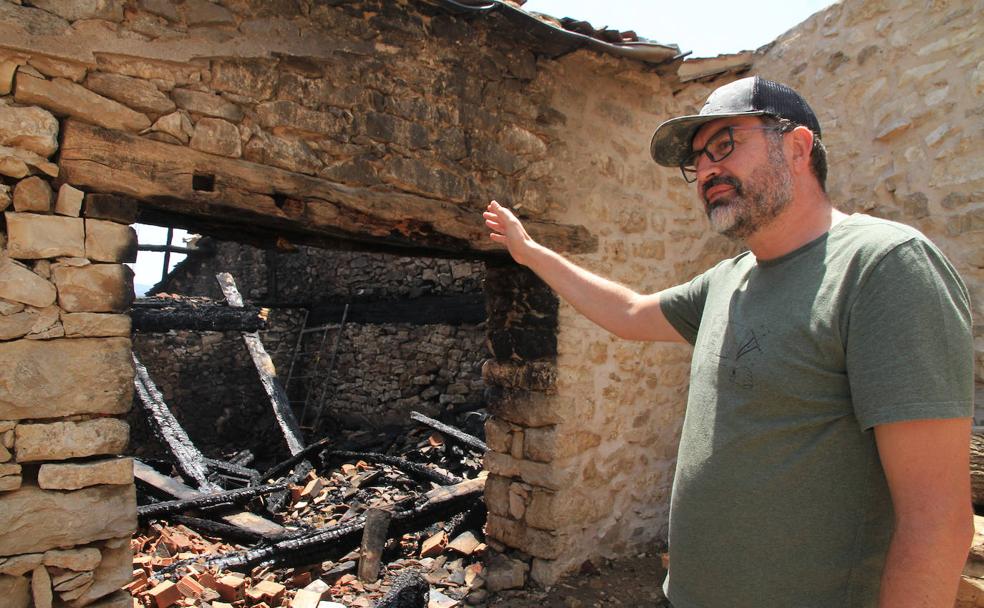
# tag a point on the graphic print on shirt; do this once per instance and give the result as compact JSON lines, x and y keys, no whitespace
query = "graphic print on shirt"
{"x":736,"y":345}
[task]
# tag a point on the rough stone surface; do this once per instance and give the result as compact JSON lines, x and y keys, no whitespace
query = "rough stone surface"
{"x":56,"y":68}
{"x":32,"y":194}
{"x":217,"y":136}
{"x":16,"y":591}
{"x":63,"y":440}
{"x":41,"y":587}
{"x":114,"y":571}
{"x":17,"y":163}
{"x":135,"y":93}
{"x":94,"y":288}
{"x":503,"y":572}
{"x":119,"y":599}
{"x":78,"y":560}
{"x":66,"y":98}
{"x":8,"y":69}
{"x":206,"y":104}
{"x":54,"y":378}
{"x":33,"y":236}
{"x":38,"y":520}
{"x":17,"y":325}
{"x":175,"y":124}
{"x":110,"y":242}
{"x":69,"y":201}
{"x":73,"y":10}
{"x":30,"y":128}
{"x":17,"y":565}
{"x":108,"y":207}
{"x":5,"y":197}
{"x":19,"y":284}
{"x":115,"y":471}
{"x":95,"y":325}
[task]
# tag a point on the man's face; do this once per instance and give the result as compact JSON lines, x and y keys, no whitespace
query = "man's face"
{"x":750,"y":187}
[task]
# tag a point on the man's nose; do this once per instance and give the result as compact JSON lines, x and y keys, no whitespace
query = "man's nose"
{"x":706,"y":168}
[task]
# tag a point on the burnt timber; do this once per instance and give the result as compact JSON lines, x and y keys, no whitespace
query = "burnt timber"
{"x":224,"y":194}
{"x":196,"y":314}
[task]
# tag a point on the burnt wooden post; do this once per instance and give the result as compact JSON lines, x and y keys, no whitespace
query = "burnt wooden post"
{"x":373,"y":541}
{"x":268,"y":373}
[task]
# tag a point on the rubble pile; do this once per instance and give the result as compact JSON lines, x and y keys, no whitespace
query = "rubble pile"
{"x":329,"y":553}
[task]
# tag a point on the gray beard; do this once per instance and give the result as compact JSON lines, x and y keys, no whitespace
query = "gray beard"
{"x":757,"y":203}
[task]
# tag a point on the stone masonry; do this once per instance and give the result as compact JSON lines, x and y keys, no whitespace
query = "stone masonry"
{"x":67,"y":497}
{"x":371,"y":102}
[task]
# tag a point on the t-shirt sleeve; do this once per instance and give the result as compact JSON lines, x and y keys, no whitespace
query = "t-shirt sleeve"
{"x":910,"y":352}
{"x":683,"y":306}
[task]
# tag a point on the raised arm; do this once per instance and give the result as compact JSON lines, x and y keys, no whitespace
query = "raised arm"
{"x":614,"y":307}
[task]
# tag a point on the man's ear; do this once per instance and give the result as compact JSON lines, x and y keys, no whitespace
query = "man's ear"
{"x":801,"y":143}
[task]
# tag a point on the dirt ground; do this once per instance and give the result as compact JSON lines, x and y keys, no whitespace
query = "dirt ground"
{"x":632,"y":582}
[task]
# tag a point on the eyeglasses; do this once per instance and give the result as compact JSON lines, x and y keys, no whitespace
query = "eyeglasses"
{"x":717,"y":149}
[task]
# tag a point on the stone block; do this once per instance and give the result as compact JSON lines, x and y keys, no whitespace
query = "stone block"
{"x":17,"y":163}
{"x":175,"y":124}
{"x":57,"y":68}
{"x":549,"y":510}
{"x":41,"y":587}
{"x":498,"y":435}
{"x":497,"y":494}
{"x":29,"y":128}
{"x":5,"y":201}
{"x":32,"y":236}
{"x":15,"y":591}
{"x":69,"y":201}
{"x":17,"y":325}
{"x":535,"y":473}
{"x":290,"y":154}
{"x":538,"y":543}
{"x":135,"y":93}
{"x":18,"y":284}
{"x":503,"y":572}
{"x":110,"y":207}
{"x":540,"y":376}
{"x":527,"y":408}
{"x":95,"y":325}
{"x":10,"y":477}
{"x":114,"y":571}
{"x":72,"y":476}
{"x":63,"y":440}
{"x":17,"y":565}
{"x":295,"y":117}
{"x":64,"y":97}
{"x":73,"y":10}
{"x":546,"y":572}
{"x":47,"y":324}
{"x":217,"y":136}
{"x":110,"y":242}
{"x":94,"y":288}
{"x":206,"y":104}
{"x":32,"y":194}
{"x":546,"y":444}
{"x":78,"y":560}
{"x":7,"y":70}
{"x":36,"y":520}
{"x":58,"y":378}
{"x":205,"y":13}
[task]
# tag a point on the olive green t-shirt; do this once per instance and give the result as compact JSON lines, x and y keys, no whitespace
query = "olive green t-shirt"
{"x":779,"y":498}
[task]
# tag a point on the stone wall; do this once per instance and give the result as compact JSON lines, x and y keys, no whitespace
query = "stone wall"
{"x":67,"y":500}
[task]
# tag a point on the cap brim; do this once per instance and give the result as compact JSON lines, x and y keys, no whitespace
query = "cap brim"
{"x":671,"y":141}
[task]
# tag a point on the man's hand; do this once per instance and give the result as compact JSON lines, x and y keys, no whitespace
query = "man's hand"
{"x":507,"y":229}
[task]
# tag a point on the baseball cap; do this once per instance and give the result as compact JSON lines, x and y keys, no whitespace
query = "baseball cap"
{"x":752,"y":96}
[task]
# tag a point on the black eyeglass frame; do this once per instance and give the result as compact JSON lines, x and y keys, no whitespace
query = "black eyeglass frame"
{"x":689,"y":165}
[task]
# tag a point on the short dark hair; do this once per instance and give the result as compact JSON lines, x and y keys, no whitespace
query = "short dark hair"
{"x":818,"y":155}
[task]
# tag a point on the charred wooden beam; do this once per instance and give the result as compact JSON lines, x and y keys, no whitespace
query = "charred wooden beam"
{"x":413,"y":469}
{"x":214,"y":528}
{"x":460,"y":436}
{"x":409,"y":590}
{"x":161,"y":314}
{"x":173,"y":487}
{"x":204,"y":501}
{"x":233,"y":472}
{"x":458,"y":309}
{"x":277,"y":500}
{"x":190,"y":462}
{"x":268,"y":373}
{"x":241,"y":193}
{"x":373,"y":541}
{"x":282,"y":467}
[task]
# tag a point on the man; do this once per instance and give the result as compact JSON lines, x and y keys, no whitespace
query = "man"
{"x":824,"y":456}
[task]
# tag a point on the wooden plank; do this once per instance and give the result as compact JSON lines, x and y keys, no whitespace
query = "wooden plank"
{"x":236,"y":191}
{"x":267,"y":371}
{"x":373,"y":541}
{"x":243,"y":519}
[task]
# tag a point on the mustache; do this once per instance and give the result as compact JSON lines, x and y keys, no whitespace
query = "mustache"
{"x":717,"y":180}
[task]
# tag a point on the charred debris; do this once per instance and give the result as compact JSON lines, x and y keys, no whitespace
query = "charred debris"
{"x":358,"y":519}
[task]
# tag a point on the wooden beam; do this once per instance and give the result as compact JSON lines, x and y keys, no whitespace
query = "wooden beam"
{"x":239,"y":192}
{"x":243,"y":519}
{"x":267,"y":371}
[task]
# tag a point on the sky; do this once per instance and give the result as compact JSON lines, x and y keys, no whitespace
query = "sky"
{"x":705,"y":27}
